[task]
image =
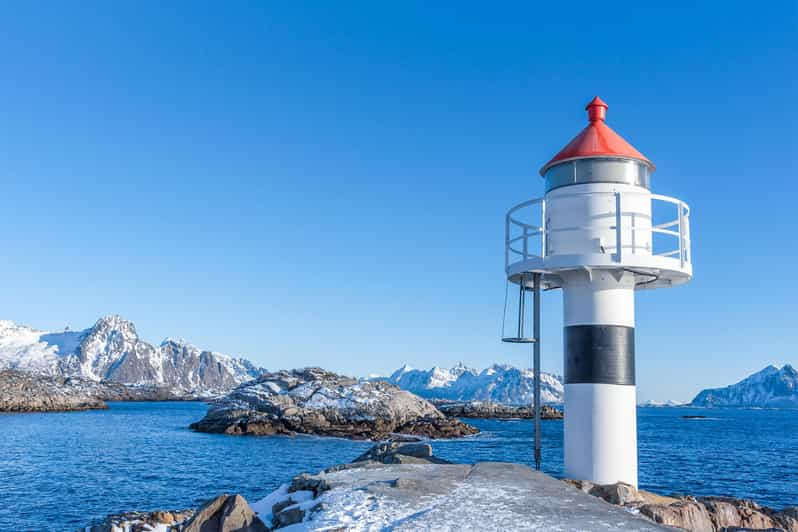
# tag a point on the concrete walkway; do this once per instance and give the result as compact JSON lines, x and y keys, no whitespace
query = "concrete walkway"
{"x":484,"y":496}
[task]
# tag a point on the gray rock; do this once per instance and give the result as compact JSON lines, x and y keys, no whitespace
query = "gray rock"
{"x":315,"y":401}
{"x":489,"y":409}
{"x":306,"y":482}
{"x":393,"y":452}
{"x":225,"y":514}
{"x":23,"y":392}
{"x":289,"y":516}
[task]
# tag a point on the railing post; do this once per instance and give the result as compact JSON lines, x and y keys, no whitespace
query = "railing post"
{"x":618,"y":232}
{"x":526,"y":242}
{"x":681,"y":234}
{"x":543,"y":229}
{"x":506,"y":240}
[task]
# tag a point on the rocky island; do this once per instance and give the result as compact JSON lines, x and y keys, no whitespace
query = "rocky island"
{"x":316,"y":401}
{"x":34,"y":392}
{"x":401,"y":486}
{"x":490,"y":409}
{"x":22,"y":392}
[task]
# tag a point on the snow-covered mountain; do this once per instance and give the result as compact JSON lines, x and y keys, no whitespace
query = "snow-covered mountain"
{"x":771,"y":387}
{"x":112,"y":350}
{"x":654,"y":403}
{"x":498,"y":383}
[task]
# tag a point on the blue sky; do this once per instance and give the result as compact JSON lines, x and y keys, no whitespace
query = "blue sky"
{"x":325,"y":183}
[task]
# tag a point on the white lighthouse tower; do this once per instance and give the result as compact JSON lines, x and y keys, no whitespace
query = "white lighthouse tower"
{"x":599,"y":234}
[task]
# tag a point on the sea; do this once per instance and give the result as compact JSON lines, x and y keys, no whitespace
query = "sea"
{"x":64,"y":471}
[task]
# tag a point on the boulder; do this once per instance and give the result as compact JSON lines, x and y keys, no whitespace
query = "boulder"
{"x":305,"y":482}
{"x":696,"y":514}
{"x":727,"y":512}
{"x":225,"y":513}
{"x":688,"y":514}
{"x":619,"y":493}
{"x":315,"y":401}
{"x":394,"y":452}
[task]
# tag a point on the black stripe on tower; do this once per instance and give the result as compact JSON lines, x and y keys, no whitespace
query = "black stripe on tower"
{"x":599,"y":354}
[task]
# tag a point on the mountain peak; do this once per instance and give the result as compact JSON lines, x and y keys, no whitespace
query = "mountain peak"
{"x":112,"y":350}
{"x":500,"y":383}
{"x":770,"y":387}
{"x":114,"y":322}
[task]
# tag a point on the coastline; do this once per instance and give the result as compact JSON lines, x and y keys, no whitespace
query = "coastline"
{"x":403,"y":486}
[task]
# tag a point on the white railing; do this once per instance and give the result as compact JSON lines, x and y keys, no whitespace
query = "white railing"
{"x":530,"y":240}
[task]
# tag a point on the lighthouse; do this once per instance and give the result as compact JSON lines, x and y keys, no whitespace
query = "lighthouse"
{"x":600,"y":235}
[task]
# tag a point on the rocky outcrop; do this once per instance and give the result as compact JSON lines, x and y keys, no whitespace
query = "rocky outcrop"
{"x":400,"y":452}
{"x":142,"y":521}
{"x":225,"y":513}
{"x":315,"y":401}
{"x":21,"y":392}
{"x":111,"y":350}
{"x":698,"y":514}
{"x":29,"y":392}
{"x":488,"y":409}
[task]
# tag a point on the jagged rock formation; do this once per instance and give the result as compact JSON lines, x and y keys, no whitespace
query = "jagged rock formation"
{"x":498,"y":384}
{"x":315,"y":401}
{"x":111,"y":350}
{"x":698,"y":514}
{"x":771,"y":387}
{"x":21,"y":392}
{"x":487,"y":409}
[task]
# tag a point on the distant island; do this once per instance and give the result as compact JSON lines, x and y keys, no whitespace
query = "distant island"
{"x":499,"y":383}
{"x":769,"y":388}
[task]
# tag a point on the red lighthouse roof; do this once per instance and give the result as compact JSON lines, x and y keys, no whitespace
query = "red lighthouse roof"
{"x":596,"y":140}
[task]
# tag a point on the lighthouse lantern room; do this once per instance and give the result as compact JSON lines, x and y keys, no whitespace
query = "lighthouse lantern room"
{"x":594,"y":235}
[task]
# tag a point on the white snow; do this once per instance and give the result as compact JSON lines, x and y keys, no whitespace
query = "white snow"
{"x":452,"y":498}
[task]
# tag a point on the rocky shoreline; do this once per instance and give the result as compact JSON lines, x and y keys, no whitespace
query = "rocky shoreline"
{"x":28,"y":392}
{"x":492,"y":410}
{"x":22,"y":392}
{"x":319,"y":402}
{"x":401,"y":485}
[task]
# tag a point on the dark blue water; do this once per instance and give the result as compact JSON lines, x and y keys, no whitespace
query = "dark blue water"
{"x":61,"y":471}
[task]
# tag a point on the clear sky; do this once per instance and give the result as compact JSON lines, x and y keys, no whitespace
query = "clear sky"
{"x":325,"y":183}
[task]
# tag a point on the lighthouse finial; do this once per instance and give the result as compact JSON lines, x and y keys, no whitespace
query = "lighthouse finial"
{"x":596,"y":110}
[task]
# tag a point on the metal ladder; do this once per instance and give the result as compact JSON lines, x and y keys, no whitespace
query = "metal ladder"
{"x":535,"y":341}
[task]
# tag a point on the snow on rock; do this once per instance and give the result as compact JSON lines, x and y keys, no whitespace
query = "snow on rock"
{"x":498,"y":383}
{"x":112,"y":350}
{"x":315,"y":401}
{"x":771,"y":387}
{"x":483,"y":496}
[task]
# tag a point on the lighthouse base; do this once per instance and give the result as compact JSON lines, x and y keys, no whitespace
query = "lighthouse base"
{"x":600,"y":429}
{"x":600,"y":425}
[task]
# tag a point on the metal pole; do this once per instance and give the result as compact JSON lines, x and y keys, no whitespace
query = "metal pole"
{"x":521,"y":290}
{"x":536,"y":348}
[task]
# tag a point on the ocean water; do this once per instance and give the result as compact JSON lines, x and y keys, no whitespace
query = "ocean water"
{"x":62,"y":471}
